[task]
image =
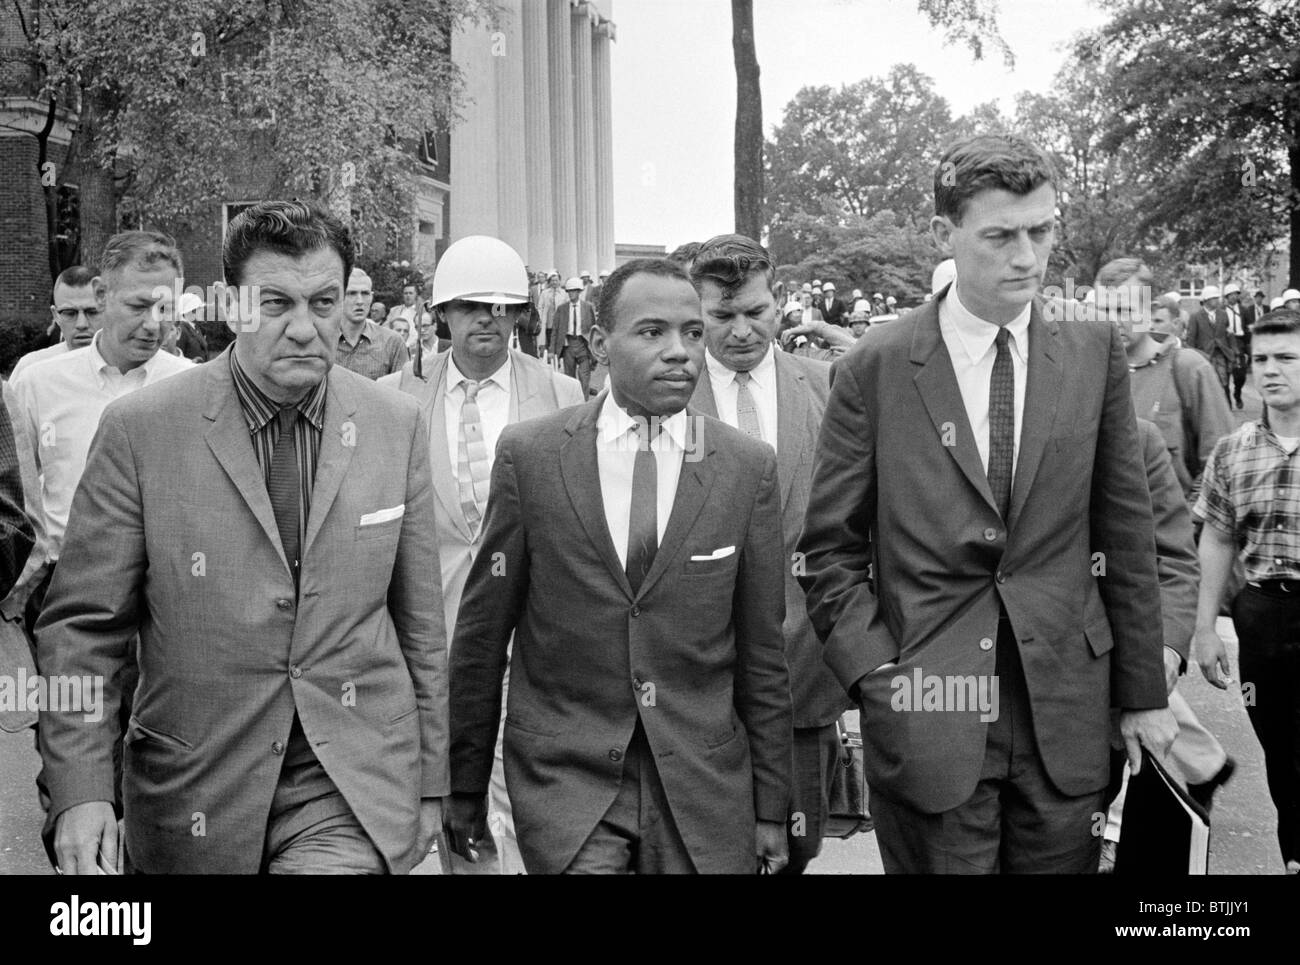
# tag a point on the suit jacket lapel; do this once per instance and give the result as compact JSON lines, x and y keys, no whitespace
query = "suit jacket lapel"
{"x":339,"y":438}
{"x":693,"y":487}
{"x":936,"y":381}
{"x":1042,"y":393}
{"x":791,"y":422}
{"x":230,"y":441}
{"x":703,"y":399}
{"x":581,"y":474}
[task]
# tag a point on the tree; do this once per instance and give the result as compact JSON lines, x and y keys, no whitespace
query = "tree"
{"x":869,"y":146}
{"x":1207,"y":94}
{"x":175,"y":95}
{"x":969,"y":22}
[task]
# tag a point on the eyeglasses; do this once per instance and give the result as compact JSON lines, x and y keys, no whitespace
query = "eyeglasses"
{"x":70,"y":314}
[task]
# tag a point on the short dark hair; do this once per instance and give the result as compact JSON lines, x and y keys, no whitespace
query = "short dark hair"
{"x":729,"y":260}
{"x":288,"y":227}
{"x":975,"y":164}
{"x":77,"y":276}
{"x":1280,"y":321}
{"x":685,"y":254}
{"x":613,"y":287}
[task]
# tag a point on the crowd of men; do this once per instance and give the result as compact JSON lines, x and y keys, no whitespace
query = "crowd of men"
{"x":583,"y":576}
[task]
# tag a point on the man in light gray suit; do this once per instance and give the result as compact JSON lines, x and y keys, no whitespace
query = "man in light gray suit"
{"x":779,"y":398}
{"x":480,"y":289}
{"x":265,"y":522}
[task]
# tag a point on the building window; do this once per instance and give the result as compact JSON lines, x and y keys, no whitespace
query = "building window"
{"x":1190,"y":287}
{"x":426,"y":242}
{"x":428,"y":148}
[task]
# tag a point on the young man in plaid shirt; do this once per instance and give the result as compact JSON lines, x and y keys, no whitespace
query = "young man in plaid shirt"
{"x":1250,"y":502}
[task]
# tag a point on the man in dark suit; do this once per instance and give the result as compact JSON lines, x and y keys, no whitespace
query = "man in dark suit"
{"x":1207,"y":332}
{"x":779,"y":398}
{"x":570,"y":328}
{"x":979,"y":542}
{"x":632,"y":547}
{"x":833,"y":307}
{"x":1241,"y":316}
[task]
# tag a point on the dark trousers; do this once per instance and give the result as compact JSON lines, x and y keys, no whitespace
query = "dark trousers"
{"x":577,"y":360}
{"x":1240,"y":369}
{"x":1015,"y":822}
{"x":816,"y":755}
{"x":1268,"y":628}
{"x":637,"y":835}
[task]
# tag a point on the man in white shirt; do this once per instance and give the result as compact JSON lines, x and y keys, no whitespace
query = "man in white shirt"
{"x":77,"y":312}
{"x":632,"y":552}
{"x":64,"y":396}
{"x":980,"y":529}
{"x":780,"y":398}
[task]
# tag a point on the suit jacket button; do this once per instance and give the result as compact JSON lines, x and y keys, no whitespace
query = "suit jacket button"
{"x":615,"y":754}
{"x":277,"y":748}
{"x":986,"y":643}
{"x":990,"y":534}
{"x":295,"y":672}
{"x":284,"y":604}
{"x":1001,"y":577}
{"x":636,"y":611}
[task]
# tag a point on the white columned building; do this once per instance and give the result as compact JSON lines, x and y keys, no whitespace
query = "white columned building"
{"x":532,"y":159}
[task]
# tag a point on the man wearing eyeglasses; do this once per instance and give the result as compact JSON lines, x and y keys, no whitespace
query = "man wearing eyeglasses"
{"x":76,"y":311}
{"x":364,"y":347}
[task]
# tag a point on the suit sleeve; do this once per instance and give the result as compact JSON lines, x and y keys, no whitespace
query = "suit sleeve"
{"x":415,"y":604}
{"x":92,"y":611}
{"x":1176,"y":559}
{"x":490,"y":608}
{"x":1123,"y":530}
{"x":836,"y":545}
{"x":762,"y":691}
{"x":17,"y":535}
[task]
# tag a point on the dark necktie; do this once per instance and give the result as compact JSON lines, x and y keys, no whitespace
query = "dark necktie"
{"x":1002,"y":424}
{"x":284,"y":486}
{"x":643,"y":522}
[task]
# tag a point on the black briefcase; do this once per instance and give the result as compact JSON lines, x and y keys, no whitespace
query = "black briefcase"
{"x":849,"y":813}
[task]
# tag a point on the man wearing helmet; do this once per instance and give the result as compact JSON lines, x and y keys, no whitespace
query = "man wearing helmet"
{"x":470,"y":394}
{"x":569,"y":331}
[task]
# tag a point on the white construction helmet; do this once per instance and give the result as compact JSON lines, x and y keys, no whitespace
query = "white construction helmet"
{"x":480,"y":269}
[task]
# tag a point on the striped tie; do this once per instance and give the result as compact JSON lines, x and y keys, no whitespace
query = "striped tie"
{"x":284,"y":486}
{"x":472,"y":463}
{"x":746,"y":410}
{"x":1002,"y":424}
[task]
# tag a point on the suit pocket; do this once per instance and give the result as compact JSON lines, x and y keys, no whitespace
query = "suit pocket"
{"x":137,"y":731}
{"x":528,"y":727}
{"x":404,"y":715}
{"x":709,"y":567}
{"x":389,"y":527}
{"x":1099,"y":637}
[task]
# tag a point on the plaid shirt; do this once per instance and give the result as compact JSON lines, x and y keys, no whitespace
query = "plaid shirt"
{"x":1251,"y":491}
{"x":379,"y":351}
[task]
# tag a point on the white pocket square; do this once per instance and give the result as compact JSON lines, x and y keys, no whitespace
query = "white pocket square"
{"x":383,"y":515}
{"x":719,"y":554}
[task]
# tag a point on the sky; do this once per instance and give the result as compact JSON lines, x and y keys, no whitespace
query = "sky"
{"x":674,"y":87}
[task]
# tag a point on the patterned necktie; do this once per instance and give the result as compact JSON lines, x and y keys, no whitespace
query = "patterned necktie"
{"x":746,"y":410}
{"x":1002,"y":423}
{"x":643,"y":521}
{"x":472,"y":462}
{"x":284,"y":486}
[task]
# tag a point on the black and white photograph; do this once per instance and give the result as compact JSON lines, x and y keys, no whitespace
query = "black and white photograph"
{"x":825,"y":438}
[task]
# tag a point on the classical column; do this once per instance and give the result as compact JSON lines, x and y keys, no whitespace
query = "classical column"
{"x":474,"y":194}
{"x":537,"y":137}
{"x":604,"y":148}
{"x":584,"y":134}
{"x":511,"y":141}
{"x":563,"y":190}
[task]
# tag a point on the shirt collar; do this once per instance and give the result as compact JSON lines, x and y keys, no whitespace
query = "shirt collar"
{"x":98,"y":363}
{"x":761,"y":375}
{"x":368,"y":330}
{"x":614,"y":423}
{"x":455,"y":377}
{"x":259,"y":408}
{"x":976,"y":335}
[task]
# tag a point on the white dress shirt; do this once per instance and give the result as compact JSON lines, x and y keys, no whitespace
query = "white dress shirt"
{"x":493,"y":410}
{"x":52,"y":351}
{"x":63,"y":398}
{"x":616,"y":446}
{"x":971,"y":345}
{"x":1234,"y":319}
{"x":762,"y":388}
